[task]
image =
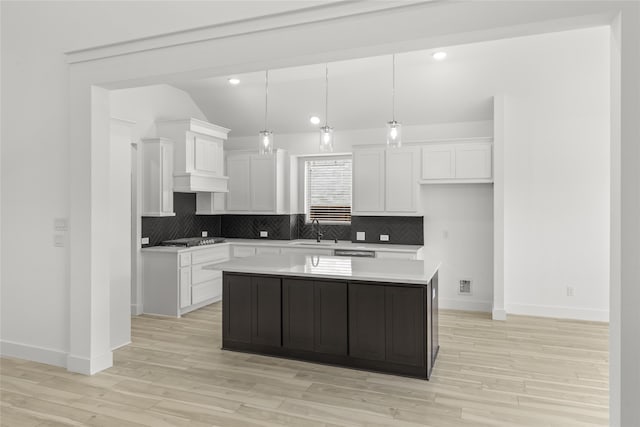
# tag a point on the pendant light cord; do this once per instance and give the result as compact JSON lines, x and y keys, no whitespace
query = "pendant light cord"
{"x":266,"y":96}
{"x":326,"y":95}
{"x":393,"y":90}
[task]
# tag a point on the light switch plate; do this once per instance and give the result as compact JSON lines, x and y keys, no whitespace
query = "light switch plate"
{"x":205,"y":234}
{"x":144,"y":240}
{"x":264,"y":234}
{"x":360,"y":235}
{"x":384,"y":237}
{"x":60,"y":224}
{"x":58,"y":240}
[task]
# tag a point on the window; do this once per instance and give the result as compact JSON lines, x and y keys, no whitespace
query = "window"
{"x":328,"y":189}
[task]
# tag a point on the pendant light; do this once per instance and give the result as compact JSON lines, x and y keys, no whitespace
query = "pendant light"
{"x":394,"y":129}
{"x":265,"y":141}
{"x":326,"y":132}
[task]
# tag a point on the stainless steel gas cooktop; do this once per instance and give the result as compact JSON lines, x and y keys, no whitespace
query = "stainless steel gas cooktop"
{"x":193,"y":241}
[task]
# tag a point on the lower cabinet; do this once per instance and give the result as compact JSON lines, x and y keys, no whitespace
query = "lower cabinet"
{"x":385,"y":327}
{"x":314,"y":316}
{"x":251,"y":310}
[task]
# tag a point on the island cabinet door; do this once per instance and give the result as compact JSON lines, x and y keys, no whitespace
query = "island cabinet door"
{"x":236,"y":300}
{"x":297,"y":314}
{"x":405,"y":317}
{"x":366,"y":321}
{"x":266,"y":311}
{"x":330,"y":312}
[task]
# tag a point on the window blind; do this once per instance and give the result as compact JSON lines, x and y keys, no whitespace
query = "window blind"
{"x":328,"y":190}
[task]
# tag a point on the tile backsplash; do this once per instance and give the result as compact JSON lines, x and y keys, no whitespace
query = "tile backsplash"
{"x":401,"y":230}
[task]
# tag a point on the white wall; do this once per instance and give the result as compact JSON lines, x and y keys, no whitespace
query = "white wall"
{"x":145,"y":106}
{"x":458,"y":230}
{"x":556,"y":178}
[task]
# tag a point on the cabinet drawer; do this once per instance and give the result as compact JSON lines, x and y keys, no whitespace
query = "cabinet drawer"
{"x":185,"y":260}
{"x":267,"y":250}
{"x":199,"y":274}
{"x":395,"y":255}
{"x":206,"y":290}
{"x":210,"y":255}
{"x":307,"y":251}
{"x":243,"y":251}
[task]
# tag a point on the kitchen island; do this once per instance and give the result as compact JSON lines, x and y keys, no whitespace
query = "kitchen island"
{"x":373,"y":314}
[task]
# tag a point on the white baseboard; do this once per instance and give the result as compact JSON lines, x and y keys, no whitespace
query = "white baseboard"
{"x":456,"y":304}
{"x":33,"y":353}
{"x":117,"y":346}
{"x":136,"y":309}
{"x":499,"y":314}
{"x":558,"y":312}
{"x":83,"y":365}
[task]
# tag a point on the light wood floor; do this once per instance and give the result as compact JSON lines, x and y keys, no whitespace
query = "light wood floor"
{"x":525,"y":371}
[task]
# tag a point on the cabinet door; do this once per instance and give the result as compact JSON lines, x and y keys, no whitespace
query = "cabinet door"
{"x":166,"y":159}
{"x":330,"y":313}
{"x":434,"y":338}
{"x":401,"y":178}
{"x":297,"y":314}
{"x":238,"y":171}
{"x":207,"y":155}
{"x":236,"y":300}
{"x":263,"y":183}
{"x":185,"y":287}
{"x":366,"y":321}
{"x":368,"y":180}
{"x":263,"y":250}
{"x":438,"y":161}
{"x":243,"y":251}
{"x":405,"y":329}
{"x":473,"y":161}
{"x":266,"y":309}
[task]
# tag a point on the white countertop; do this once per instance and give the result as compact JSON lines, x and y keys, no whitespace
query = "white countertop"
{"x":300,"y":243}
{"x":330,"y":267}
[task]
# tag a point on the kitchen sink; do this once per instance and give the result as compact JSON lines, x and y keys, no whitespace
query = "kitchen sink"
{"x":321,"y":243}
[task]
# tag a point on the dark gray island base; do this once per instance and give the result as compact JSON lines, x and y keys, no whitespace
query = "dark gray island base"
{"x":378,"y":326}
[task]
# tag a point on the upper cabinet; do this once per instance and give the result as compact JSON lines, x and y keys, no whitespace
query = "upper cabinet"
{"x":199,"y":155}
{"x":457,"y":162}
{"x":157,"y":177}
{"x":258,"y":183}
{"x":385,"y":181}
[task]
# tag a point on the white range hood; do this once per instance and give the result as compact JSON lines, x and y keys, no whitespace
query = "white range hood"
{"x":198,"y":155}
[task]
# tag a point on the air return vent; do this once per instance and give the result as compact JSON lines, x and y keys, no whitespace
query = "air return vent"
{"x":465,"y":287}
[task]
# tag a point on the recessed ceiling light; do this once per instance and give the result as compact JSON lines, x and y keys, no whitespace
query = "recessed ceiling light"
{"x":234,"y":80}
{"x":315,"y":120}
{"x":439,"y":56}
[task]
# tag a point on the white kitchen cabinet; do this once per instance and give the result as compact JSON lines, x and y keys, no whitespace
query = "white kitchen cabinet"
{"x":175,"y":283}
{"x":242,"y":251}
{"x":157,"y":177}
{"x":368,"y":180}
{"x":385,"y":181}
{"x":270,"y":250}
{"x":396,"y":255}
{"x":306,"y":251}
{"x":257,"y":183}
{"x":199,"y":154}
{"x":457,"y":162}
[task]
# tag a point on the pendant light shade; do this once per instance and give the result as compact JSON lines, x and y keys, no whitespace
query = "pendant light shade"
{"x":265,"y":138}
{"x":326,"y":132}
{"x":394,"y":129}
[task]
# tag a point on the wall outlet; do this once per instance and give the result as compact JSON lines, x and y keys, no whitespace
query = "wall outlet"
{"x":384,"y":237}
{"x":360,"y":235}
{"x":58,"y":240}
{"x":144,"y":241}
{"x":570,"y":291}
{"x":464,"y":287}
{"x":205,"y":234}
{"x":264,"y":234}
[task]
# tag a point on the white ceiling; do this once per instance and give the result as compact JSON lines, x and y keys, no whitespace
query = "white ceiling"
{"x":457,"y":89}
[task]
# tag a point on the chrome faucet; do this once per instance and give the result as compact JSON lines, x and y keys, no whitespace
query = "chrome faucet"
{"x":317,"y":229}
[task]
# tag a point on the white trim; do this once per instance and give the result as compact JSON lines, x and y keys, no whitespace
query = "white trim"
{"x":305,"y":16}
{"x":558,"y":312}
{"x":458,"y":304}
{"x":455,"y":181}
{"x":136,"y":309}
{"x":498,"y":314}
{"x":124,"y":344}
{"x":33,"y":353}
{"x":86,"y":366}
